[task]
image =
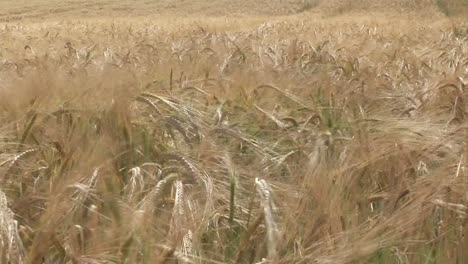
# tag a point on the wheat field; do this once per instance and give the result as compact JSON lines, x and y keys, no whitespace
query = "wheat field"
{"x":233,"y":131}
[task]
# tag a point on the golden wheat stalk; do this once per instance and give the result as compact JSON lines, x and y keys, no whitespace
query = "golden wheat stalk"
{"x":11,"y":246}
{"x":266,"y":199}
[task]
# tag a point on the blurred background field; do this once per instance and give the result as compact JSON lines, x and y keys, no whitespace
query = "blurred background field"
{"x":38,"y":10}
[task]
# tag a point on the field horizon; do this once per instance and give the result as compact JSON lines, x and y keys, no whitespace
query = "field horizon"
{"x":43,"y":10}
{"x":234,"y":131}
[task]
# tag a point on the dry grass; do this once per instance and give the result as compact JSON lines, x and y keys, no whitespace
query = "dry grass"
{"x":279,"y":140}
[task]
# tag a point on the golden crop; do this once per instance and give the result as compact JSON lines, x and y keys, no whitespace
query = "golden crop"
{"x":234,"y":140}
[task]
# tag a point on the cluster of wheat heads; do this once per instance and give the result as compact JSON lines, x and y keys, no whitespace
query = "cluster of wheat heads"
{"x":132,"y":143}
